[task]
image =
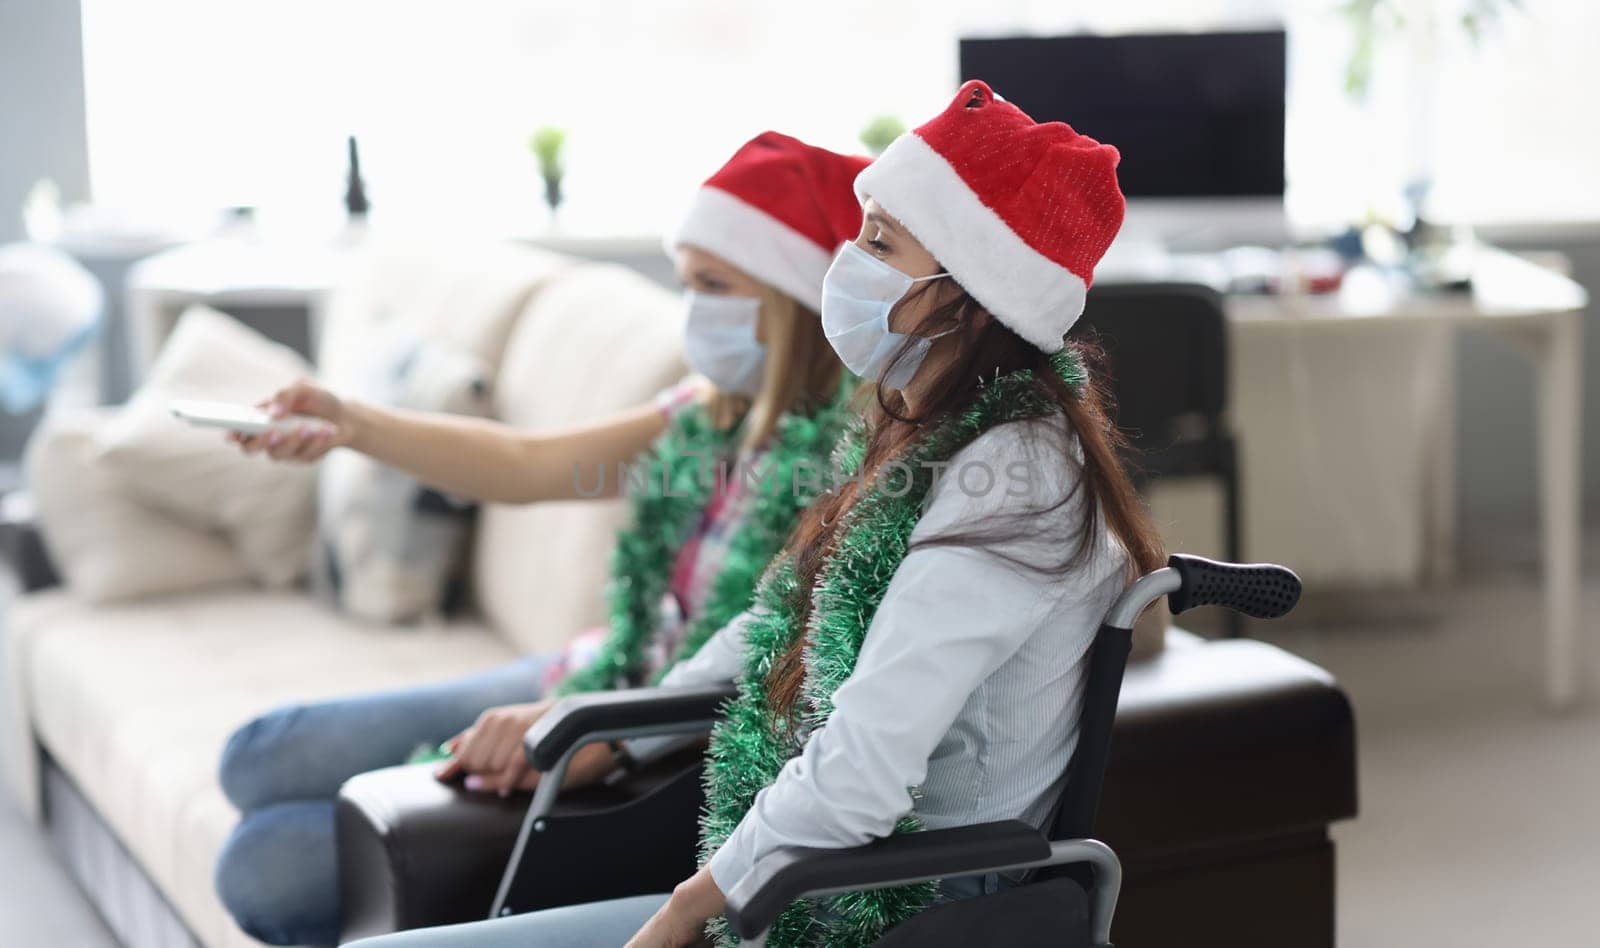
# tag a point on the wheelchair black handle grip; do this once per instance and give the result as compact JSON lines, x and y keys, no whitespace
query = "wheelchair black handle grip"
{"x":1261,"y":590}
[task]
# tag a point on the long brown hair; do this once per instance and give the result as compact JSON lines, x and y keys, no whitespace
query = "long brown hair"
{"x":989,"y":349}
{"x":802,"y":371}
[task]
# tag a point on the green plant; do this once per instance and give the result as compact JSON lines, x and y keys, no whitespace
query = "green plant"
{"x":547,"y":145}
{"x":880,"y":132}
{"x":1482,"y":14}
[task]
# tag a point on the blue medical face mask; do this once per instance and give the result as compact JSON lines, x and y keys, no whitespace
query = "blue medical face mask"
{"x":721,"y":341}
{"x":857,"y":295}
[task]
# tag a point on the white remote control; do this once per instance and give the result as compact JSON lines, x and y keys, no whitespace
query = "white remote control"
{"x":240,"y":418}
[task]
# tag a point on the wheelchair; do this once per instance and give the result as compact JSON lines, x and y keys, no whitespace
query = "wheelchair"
{"x":637,"y":835}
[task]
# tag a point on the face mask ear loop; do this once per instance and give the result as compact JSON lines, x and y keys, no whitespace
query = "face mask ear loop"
{"x":915,"y":280}
{"x":932,"y":276}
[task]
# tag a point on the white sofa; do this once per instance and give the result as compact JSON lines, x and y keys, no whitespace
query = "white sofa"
{"x":117,"y":714}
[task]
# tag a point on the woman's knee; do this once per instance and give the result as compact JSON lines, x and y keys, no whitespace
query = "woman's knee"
{"x":277,"y":874}
{"x":253,"y":754}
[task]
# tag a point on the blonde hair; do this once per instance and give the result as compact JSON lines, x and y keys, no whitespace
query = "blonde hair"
{"x":802,"y":371}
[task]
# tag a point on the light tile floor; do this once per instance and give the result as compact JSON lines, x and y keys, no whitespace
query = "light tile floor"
{"x":39,"y":905}
{"x":1480,"y":809}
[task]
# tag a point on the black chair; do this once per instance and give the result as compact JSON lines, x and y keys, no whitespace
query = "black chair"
{"x":1061,"y":904}
{"x":1167,"y":344}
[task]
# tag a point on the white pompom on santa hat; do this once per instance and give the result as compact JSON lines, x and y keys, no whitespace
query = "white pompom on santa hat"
{"x":777,"y":210}
{"x":1017,"y":211}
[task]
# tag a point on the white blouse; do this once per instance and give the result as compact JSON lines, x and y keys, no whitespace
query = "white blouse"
{"x":964,"y":702}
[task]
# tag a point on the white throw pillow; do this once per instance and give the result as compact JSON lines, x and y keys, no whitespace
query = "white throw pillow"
{"x":389,"y":548}
{"x":105,"y":544}
{"x":265,"y":508}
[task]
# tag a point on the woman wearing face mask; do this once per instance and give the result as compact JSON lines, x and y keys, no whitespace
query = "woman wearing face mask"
{"x":752,"y":253}
{"x":916,"y":658}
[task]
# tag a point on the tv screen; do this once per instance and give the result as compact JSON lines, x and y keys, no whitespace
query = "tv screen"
{"x":1194,"y":114}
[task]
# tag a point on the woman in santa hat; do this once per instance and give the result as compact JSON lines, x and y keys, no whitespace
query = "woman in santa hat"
{"x":752,"y":253}
{"x":916,"y":657}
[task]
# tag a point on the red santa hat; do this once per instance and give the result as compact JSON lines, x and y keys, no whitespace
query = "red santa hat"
{"x":777,"y":210}
{"x":1016,"y":211}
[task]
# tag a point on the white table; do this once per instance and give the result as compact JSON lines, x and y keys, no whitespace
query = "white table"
{"x":1541,"y":312}
{"x":222,"y":273}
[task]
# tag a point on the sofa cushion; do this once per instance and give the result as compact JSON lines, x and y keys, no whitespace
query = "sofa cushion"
{"x":192,"y":473}
{"x":136,"y":702}
{"x":105,"y":543}
{"x":599,"y":340}
{"x":463,"y":296}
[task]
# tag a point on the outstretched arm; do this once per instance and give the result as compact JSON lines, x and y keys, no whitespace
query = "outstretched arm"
{"x":467,"y":457}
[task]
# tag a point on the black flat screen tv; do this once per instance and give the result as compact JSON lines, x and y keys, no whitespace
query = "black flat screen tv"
{"x":1195,"y":115}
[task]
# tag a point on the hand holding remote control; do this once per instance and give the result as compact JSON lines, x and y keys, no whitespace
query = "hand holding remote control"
{"x":239,"y":419}
{"x":302,"y":422}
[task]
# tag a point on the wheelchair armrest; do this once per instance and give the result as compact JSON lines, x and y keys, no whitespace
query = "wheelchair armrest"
{"x":633,"y":712}
{"x":795,"y":872}
{"x":584,"y":719}
{"x":22,"y":545}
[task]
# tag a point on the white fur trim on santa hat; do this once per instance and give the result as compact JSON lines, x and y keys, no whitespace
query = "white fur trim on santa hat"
{"x":1036,"y":297}
{"x":755,"y":242}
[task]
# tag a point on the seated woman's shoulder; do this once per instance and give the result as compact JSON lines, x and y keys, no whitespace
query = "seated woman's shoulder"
{"x":1015,"y":469}
{"x":1044,"y":451}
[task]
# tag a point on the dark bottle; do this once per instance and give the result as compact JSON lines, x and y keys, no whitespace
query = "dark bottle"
{"x":355,"y":193}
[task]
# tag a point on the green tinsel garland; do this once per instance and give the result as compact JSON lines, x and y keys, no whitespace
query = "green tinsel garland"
{"x":662,"y":519}
{"x":748,"y":747}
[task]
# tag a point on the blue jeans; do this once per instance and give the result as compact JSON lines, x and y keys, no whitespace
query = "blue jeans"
{"x":278,"y":873}
{"x":596,"y":924}
{"x":592,"y":925}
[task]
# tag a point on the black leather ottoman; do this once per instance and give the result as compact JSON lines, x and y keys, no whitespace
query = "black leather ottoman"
{"x":1229,"y":762}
